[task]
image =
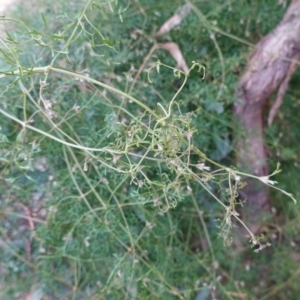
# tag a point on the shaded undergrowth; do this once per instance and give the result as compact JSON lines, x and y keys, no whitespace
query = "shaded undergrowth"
{"x":115,"y":188}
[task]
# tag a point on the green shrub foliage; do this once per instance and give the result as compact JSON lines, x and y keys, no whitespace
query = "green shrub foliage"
{"x":116,"y":176}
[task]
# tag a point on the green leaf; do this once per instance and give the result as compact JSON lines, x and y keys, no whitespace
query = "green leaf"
{"x":214,"y":106}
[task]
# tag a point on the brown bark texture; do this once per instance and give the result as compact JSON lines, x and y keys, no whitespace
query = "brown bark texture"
{"x":269,"y":69}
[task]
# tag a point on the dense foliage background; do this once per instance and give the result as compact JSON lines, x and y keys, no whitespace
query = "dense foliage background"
{"x":73,"y":226}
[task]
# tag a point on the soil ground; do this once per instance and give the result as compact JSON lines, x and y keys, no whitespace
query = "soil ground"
{"x":6,"y":5}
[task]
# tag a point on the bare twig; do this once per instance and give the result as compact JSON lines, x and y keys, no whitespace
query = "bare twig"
{"x":141,"y":68}
{"x":172,"y":47}
{"x":175,"y":20}
{"x":281,"y":92}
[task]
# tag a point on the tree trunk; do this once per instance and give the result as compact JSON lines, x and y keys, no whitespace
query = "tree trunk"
{"x":270,"y":67}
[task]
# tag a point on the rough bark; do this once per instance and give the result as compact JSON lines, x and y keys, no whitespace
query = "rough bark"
{"x":270,"y":67}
